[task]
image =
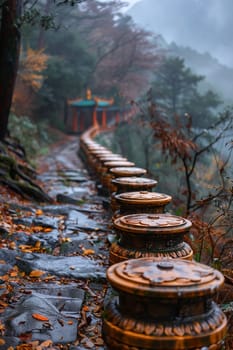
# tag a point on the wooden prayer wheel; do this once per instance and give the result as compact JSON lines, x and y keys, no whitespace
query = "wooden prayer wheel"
{"x":144,"y":235}
{"x":108,"y":158}
{"x":164,"y":304}
{"x":141,"y":202}
{"x":124,"y":172}
{"x":91,"y":158}
{"x":130,"y":184}
{"x":106,"y":177}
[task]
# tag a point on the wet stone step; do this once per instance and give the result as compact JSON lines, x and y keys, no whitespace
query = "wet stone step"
{"x":66,"y":208}
{"x":79,"y":267}
{"x":37,"y":315}
{"x":44,"y":221}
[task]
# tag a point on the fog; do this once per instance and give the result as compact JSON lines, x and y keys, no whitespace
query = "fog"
{"x":205,"y":25}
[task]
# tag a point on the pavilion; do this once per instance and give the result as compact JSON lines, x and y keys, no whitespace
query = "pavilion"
{"x":81,"y":114}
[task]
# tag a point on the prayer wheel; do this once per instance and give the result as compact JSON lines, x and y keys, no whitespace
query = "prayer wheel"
{"x":124,"y":172}
{"x":163,"y":304}
{"x":107,"y":166}
{"x":130,"y":184}
{"x":141,"y":202}
{"x":144,"y":235}
{"x":108,"y":158}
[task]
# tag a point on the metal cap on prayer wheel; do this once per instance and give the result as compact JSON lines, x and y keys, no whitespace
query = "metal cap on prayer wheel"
{"x":142,"y":202}
{"x":133,"y":183}
{"x":164,"y":304}
{"x":144,"y":235}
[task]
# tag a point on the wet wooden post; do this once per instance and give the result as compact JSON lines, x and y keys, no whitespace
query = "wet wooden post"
{"x":164,"y":304}
{"x":141,"y":202}
{"x":143,"y":235}
{"x":107,"y":171}
{"x":124,"y":172}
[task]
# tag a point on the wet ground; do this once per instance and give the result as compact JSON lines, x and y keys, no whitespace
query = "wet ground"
{"x":53,"y":260}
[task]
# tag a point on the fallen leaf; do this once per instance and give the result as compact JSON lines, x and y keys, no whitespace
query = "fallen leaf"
{"x":36,"y":273}
{"x":2,"y":341}
{"x":70,"y":322}
{"x":88,"y":252}
{"x":40,"y":317}
{"x":85,"y":308}
{"x":38,"y":229}
{"x":37,"y":245}
{"x":39,"y":212}
{"x":2,"y":262}
{"x":66,"y":239}
{"x":12,"y":245}
{"x":99,"y":341}
{"x":3,"y":304}
{"x":47,"y":229}
{"x":25,"y":248}
{"x":46,"y":343}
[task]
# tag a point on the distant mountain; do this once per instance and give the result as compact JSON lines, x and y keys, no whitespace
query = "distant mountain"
{"x":196,"y":30}
{"x":219,"y":77}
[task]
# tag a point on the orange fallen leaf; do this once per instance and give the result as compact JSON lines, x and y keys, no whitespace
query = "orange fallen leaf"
{"x":40,"y":317}
{"x":3,"y":304}
{"x":37,"y":229}
{"x":39,"y":212}
{"x":88,"y":252}
{"x":36,"y":273}
{"x":12,"y":245}
{"x":47,"y":229}
{"x":85,"y":308}
{"x":46,"y":343}
{"x":37,"y":245}
{"x":25,"y":248}
{"x":2,"y":341}
{"x":70,"y":322}
{"x":2,"y":262}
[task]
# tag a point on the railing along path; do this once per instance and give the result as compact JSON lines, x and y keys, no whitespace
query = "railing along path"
{"x":164,"y":298}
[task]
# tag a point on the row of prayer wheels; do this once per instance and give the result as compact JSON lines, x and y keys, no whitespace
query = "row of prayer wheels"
{"x":165,"y":300}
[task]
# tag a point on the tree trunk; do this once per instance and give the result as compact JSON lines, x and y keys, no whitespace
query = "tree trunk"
{"x":9,"y":58}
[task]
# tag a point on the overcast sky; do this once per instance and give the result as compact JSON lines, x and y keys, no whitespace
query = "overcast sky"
{"x":205,"y":25}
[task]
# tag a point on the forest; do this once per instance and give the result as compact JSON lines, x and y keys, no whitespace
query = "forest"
{"x":175,"y":124}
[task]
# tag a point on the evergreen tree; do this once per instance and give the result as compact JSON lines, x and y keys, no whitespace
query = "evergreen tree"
{"x":175,"y":90}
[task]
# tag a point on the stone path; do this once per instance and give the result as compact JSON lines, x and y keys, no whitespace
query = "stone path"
{"x":53,"y":260}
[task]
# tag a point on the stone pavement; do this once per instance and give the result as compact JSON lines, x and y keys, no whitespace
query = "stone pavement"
{"x":53,"y":260}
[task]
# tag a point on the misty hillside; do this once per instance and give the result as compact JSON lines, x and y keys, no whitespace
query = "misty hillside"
{"x":218,"y":76}
{"x":198,"y":31}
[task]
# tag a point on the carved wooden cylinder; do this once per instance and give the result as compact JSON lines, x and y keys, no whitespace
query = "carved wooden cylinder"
{"x":107,"y":166}
{"x":141,"y":202}
{"x":130,"y":184}
{"x":92,"y":156}
{"x":144,"y":235}
{"x":124,"y":172}
{"x":163,"y":304}
{"x":108,"y":158}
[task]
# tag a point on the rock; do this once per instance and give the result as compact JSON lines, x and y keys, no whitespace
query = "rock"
{"x":79,"y":267}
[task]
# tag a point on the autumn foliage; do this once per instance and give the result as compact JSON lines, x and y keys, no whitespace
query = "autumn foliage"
{"x":29,"y":80}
